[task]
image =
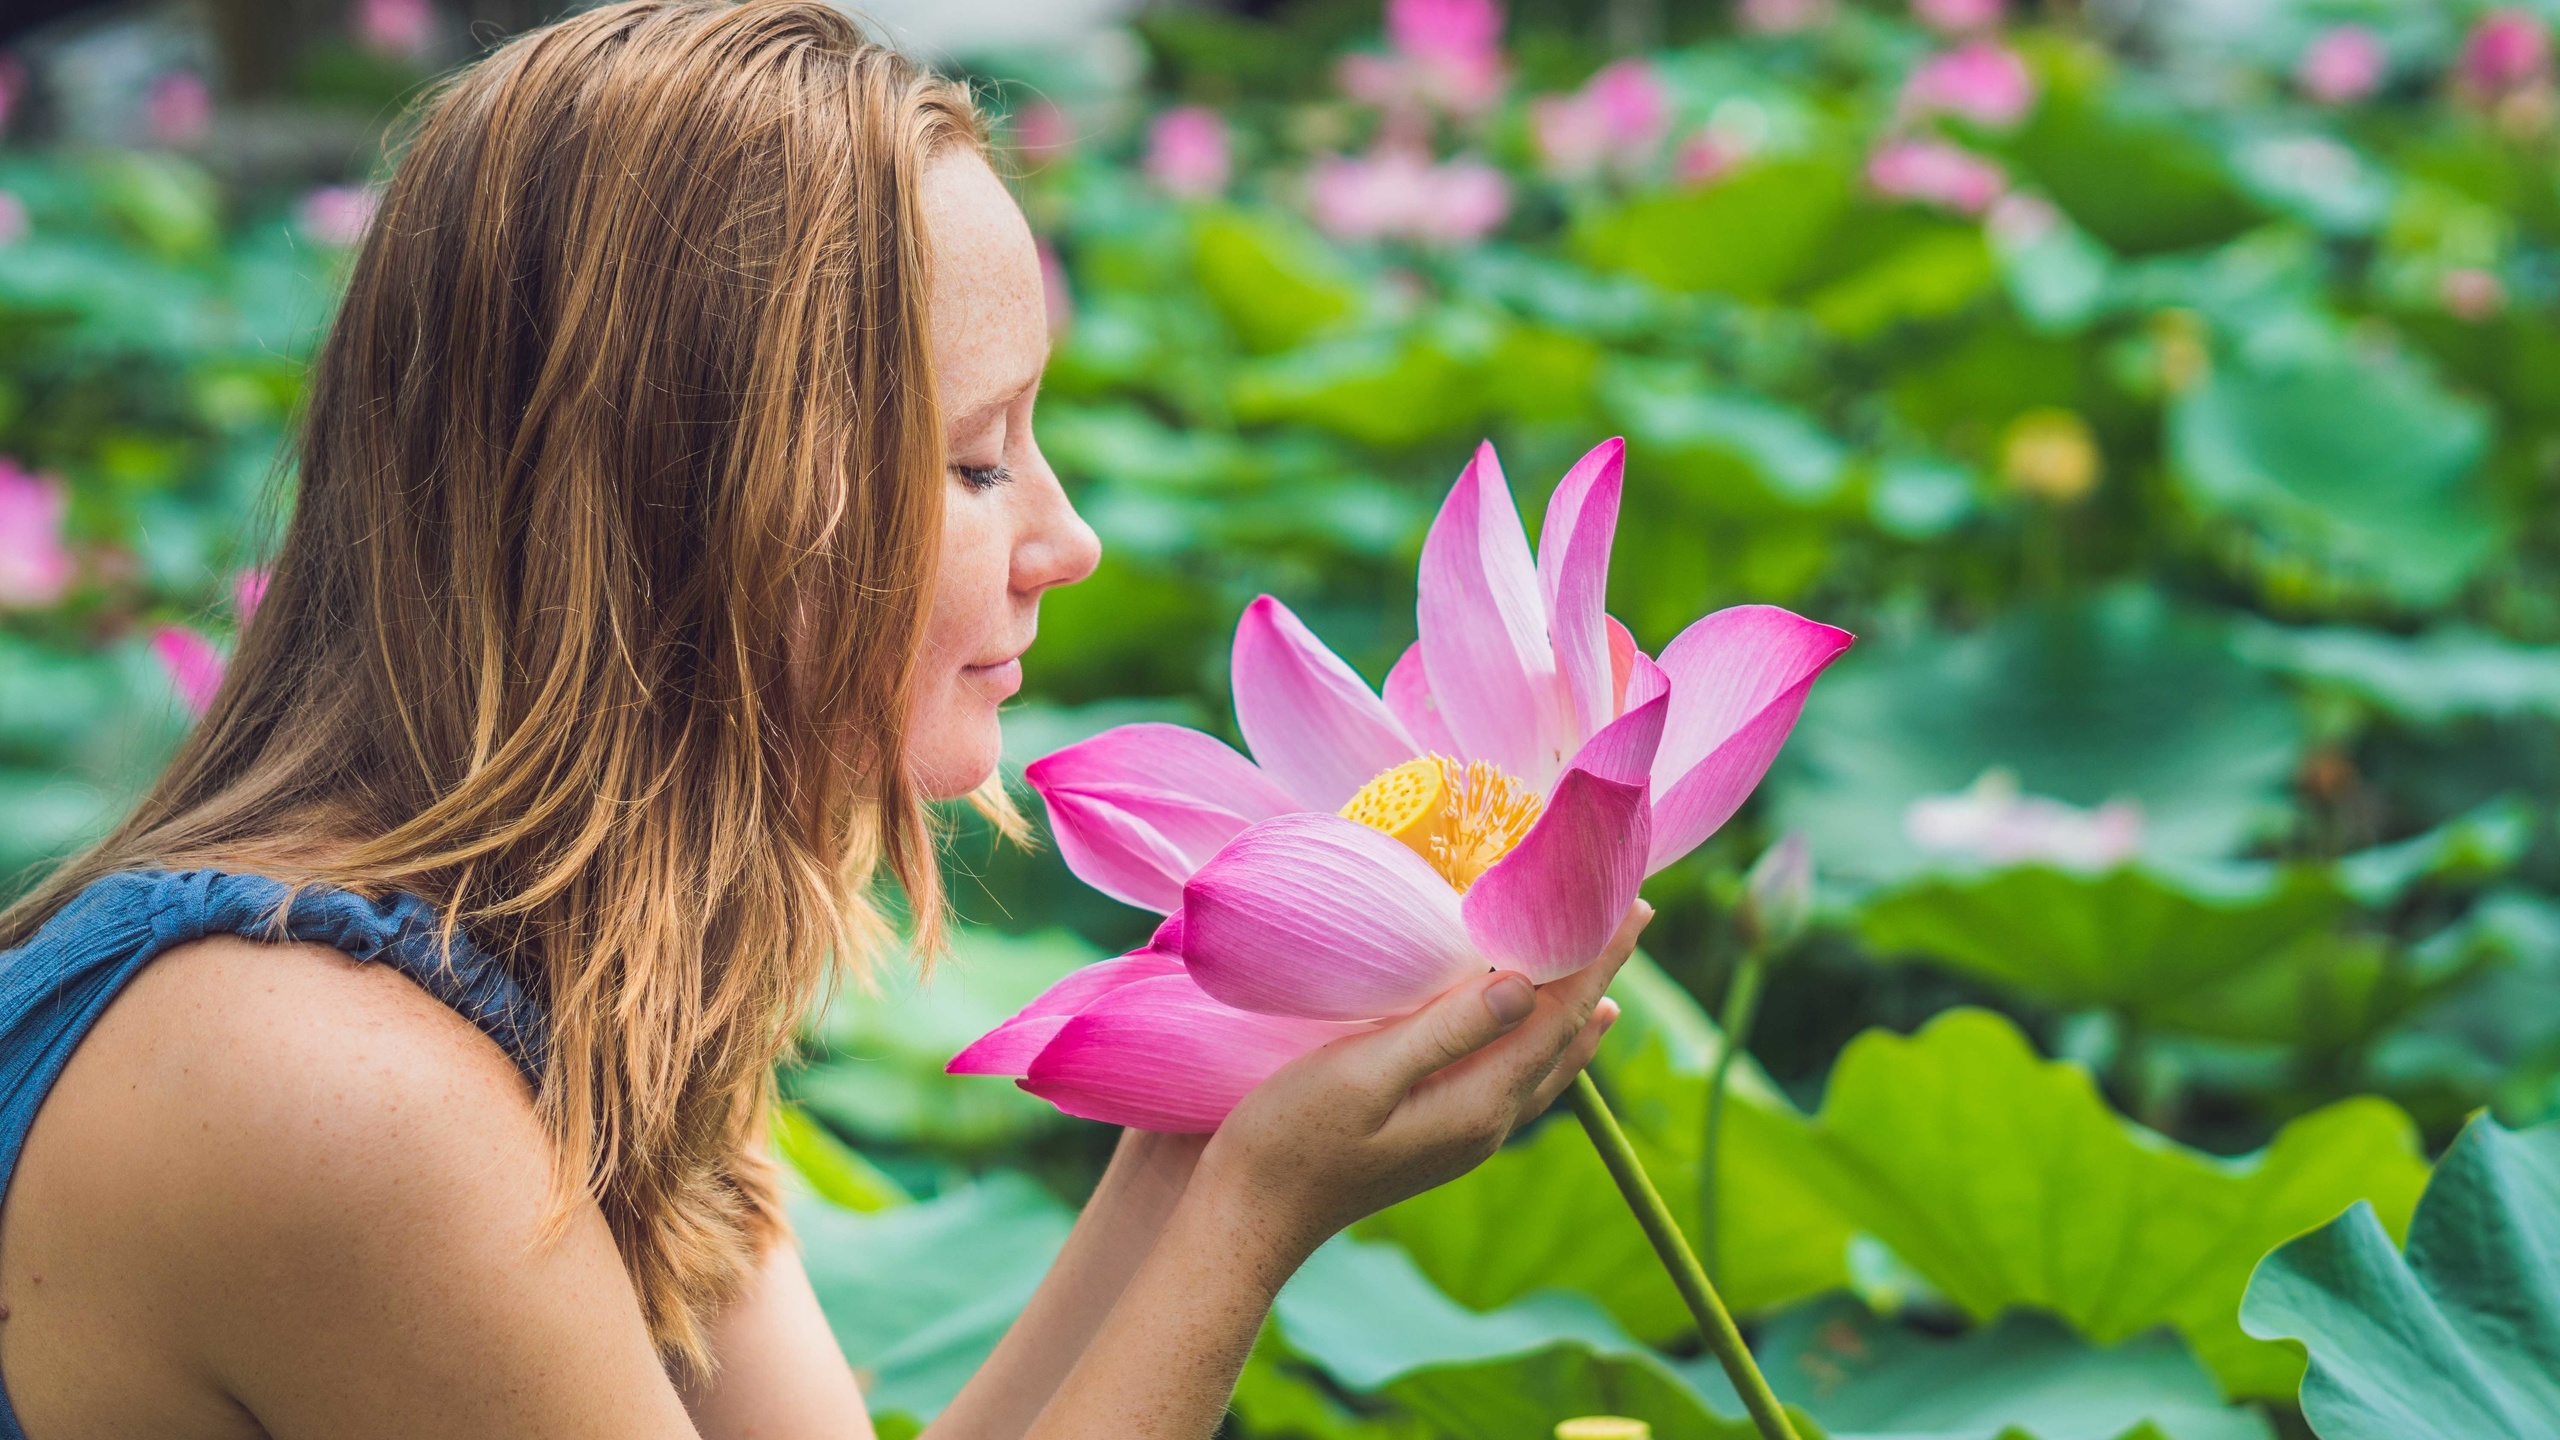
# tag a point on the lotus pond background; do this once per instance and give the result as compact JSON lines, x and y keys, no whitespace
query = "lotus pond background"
{"x":2167,"y":393}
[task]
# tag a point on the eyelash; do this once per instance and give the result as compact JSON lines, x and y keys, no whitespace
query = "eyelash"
{"x":982,"y":477}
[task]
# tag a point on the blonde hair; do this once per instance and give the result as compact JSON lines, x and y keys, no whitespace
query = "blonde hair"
{"x":620,"y":489}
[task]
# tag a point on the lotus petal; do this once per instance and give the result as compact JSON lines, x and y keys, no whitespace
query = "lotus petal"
{"x":1138,"y":808}
{"x":1313,"y":724}
{"x":1738,"y":682}
{"x":1318,"y":916}
{"x":1484,"y":630}
{"x":1409,"y":695}
{"x":1549,"y":907}
{"x":1573,"y":577}
{"x":1008,"y":1049}
{"x":1160,"y":1054}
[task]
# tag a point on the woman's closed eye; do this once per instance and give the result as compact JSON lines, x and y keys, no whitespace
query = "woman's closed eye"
{"x":981,"y":477}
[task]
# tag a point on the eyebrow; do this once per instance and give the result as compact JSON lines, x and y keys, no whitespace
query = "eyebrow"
{"x":1004,"y":401}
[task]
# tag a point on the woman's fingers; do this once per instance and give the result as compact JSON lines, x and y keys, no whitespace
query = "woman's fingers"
{"x":1464,"y":1020}
{"x":1576,"y":1058}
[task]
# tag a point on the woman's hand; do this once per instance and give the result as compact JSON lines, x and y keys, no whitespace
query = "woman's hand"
{"x":1369,"y":1120}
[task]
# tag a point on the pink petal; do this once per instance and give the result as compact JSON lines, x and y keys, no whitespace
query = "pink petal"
{"x":1312,"y":722}
{"x":1161,"y":1055}
{"x":1009,"y":1048}
{"x":1645,"y":680}
{"x":1573,"y":576}
{"x":194,"y":666}
{"x":1409,"y":695}
{"x":1484,"y":630}
{"x":1138,"y":808}
{"x":1738,"y":681}
{"x":1622,"y":662}
{"x":1547,"y":908}
{"x":1315,"y":915}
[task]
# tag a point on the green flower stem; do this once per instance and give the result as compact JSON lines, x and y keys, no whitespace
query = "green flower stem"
{"x":1714,"y":1321}
{"x":1741,"y":1004}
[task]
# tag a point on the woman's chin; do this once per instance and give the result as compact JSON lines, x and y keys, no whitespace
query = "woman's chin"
{"x":955,"y":758}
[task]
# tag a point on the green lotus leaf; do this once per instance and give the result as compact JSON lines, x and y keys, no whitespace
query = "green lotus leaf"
{"x":2006,"y":1181}
{"x":2447,"y":674}
{"x":2455,"y":1339}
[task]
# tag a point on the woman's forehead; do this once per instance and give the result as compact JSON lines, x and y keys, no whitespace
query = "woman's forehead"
{"x":990,"y":320}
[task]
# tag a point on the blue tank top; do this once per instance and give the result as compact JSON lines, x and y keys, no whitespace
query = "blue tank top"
{"x":54,"y":987}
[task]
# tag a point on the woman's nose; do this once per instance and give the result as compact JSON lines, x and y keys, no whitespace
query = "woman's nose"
{"x":1058,"y":547}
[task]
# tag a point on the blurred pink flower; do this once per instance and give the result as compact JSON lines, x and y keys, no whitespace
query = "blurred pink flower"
{"x":248,"y":592}
{"x":1188,"y":153}
{"x":1936,"y":173}
{"x":2471,"y":294}
{"x":1042,"y":132}
{"x":1619,"y":116}
{"x":337,"y":214}
{"x":2344,"y":64}
{"x":1400,"y":194}
{"x":34,"y":567}
{"x":1992,"y":822}
{"x":193,"y":665}
{"x":405,"y":28}
{"x":2509,"y":48}
{"x":1981,"y":80}
{"x":1957,"y":17}
{"x":1466,"y":30}
{"x":179,"y":109}
{"x":1786,"y":17}
{"x":1704,"y":158}
{"x":14,"y":223}
{"x":1055,"y":296}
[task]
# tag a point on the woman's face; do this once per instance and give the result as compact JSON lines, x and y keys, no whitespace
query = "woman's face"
{"x":1008,"y":532}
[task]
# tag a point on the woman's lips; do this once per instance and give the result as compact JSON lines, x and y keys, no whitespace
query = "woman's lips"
{"x":1004,"y":675}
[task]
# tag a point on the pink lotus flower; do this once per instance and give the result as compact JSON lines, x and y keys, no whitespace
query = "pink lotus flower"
{"x":2344,"y":64}
{"x":1936,"y":173}
{"x":1957,"y":17}
{"x":1468,"y":31}
{"x":1498,"y":805}
{"x":14,"y":221}
{"x":2508,"y":50}
{"x":192,"y":663}
{"x":1992,"y":822}
{"x":1619,"y":116}
{"x":248,"y":592}
{"x":1401,"y":194}
{"x":1786,"y":17}
{"x":178,"y":109}
{"x":34,"y":567}
{"x":1705,"y":158}
{"x":1188,"y":153}
{"x":1982,"y":80}
{"x":2470,"y":293}
{"x":338,"y":214}
{"x":1057,"y":296}
{"x":1444,"y":55}
{"x":402,"y":28}
{"x":1042,"y":132}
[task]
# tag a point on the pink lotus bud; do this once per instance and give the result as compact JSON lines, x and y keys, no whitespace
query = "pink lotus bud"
{"x":2509,"y":48}
{"x":2471,"y":294}
{"x":337,"y":214}
{"x":402,"y":28}
{"x":192,"y":663}
{"x":1705,"y":157}
{"x":1957,"y":17}
{"x":1634,"y":109}
{"x":248,"y":592}
{"x":178,"y":109}
{"x":1188,"y":153}
{"x":1367,"y":197}
{"x":1982,"y":80}
{"x":1786,"y":17}
{"x":1055,"y":297}
{"x":1465,"y":201}
{"x":1468,"y":30}
{"x":1936,"y":173}
{"x":35,"y":569}
{"x":2343,"y":65}
{"x":14,"y":223}
{"x":1572,"y":136}
{"x":1042,"y":133}
{"x":1777,"y":896}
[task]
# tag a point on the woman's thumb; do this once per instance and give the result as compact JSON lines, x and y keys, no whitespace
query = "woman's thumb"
{"x":1464,"y":1020}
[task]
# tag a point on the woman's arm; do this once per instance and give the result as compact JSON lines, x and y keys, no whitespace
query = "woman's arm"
{"x":780,"y":1374}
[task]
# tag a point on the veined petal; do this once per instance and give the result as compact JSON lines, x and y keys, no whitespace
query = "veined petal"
{"x":1548,"y":907}
{"x":1738,"y":682}
{"x":1645,"y":680}
{"x":1138,"y":808}
{"x":1160,"y":1054}
{"x":1484,"y":630}
{"x":1573,"y":576}
{"x":1315,"y":915}
{"x":1310,"y":719}
{"x":1008,"y":1049}
{"x":1408,"y":694}
{"x":1622,"y":661}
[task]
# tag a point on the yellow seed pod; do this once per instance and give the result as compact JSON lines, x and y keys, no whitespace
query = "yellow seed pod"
{"x":2052,"y":455}
{"x":1406,"y":802}
{"x":1604,"y":1427}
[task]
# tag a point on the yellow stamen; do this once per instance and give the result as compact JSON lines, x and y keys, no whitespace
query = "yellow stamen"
{"x":1461,"y":818}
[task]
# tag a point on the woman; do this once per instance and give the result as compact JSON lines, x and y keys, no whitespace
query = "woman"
{"x":670,"y":528}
